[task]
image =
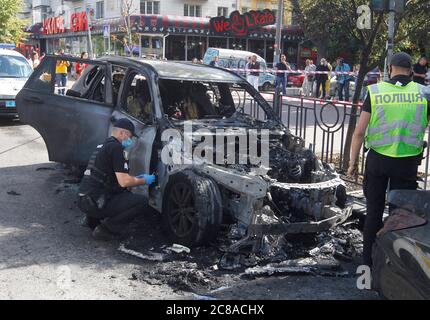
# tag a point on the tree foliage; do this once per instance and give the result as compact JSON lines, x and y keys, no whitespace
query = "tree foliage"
{"x":331,"y":26}
{"x":11,"y":27}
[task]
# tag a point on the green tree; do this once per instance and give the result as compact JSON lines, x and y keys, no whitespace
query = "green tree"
{"x":333,"y":24}
{"x":11,"y":27}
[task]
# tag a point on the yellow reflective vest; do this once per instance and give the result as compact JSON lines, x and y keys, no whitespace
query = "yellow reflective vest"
{"x":398,"y":119}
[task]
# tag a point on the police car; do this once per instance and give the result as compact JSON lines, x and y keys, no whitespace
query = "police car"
{"x":14,"y":72}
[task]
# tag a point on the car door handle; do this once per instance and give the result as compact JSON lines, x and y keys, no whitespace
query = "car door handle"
{"x":33,"y":99}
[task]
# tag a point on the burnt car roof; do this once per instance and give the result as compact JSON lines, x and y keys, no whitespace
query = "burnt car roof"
{"x":181,"y":70}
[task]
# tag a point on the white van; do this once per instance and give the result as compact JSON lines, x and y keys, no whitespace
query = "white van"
{"x":14,"y":72}
{"x":237,"y":59}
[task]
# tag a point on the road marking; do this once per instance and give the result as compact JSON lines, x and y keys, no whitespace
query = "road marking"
{"x":20,"y":145}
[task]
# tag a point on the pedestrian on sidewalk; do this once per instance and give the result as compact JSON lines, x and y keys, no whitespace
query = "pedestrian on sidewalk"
{"x":254,"y":67}
{"x":394,"y":135}
{"x":61,"y":73}
{"x":343,"y":78}
{"x":321,"y":78}
{"x":308,"y":83}
{"x":281,"y":77}
{"x":79,"y":67}
{"x":420,"y":70}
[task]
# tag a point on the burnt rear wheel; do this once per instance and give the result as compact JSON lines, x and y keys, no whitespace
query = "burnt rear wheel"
{"x":192,"y":209}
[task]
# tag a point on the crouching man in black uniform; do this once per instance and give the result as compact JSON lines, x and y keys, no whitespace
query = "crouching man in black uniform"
{"x":103,"y":194}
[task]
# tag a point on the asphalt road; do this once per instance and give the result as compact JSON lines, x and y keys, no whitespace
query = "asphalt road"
{"x":46,"y":253}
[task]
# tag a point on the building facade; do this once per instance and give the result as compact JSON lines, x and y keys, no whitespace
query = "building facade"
{"x":174,"y":29}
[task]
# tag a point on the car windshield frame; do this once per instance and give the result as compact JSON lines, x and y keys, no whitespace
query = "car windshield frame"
{"x":14,"y":67}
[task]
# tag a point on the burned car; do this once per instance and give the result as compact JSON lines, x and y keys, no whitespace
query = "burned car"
{"x":204,"y":131}
{"x":401,"y":253}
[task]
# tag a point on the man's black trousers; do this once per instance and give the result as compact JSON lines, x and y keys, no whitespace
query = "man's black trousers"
{"x":382,"y":172}
{"x":120,"y":210}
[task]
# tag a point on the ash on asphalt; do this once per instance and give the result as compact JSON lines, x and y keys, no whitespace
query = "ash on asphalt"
{"x":196,"y":271}
{"x":334,"y":253}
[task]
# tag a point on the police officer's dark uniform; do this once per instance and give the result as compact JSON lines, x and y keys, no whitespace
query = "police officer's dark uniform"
{"x":101,"y":197}
{"x":396,"y":171}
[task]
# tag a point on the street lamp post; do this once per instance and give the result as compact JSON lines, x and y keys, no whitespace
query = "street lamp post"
{"x":90,"y":43}
{"x":390,"y":38}
{"x":279,"y":18}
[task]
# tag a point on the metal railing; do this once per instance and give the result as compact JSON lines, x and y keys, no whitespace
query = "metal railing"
{"x":323,"y":124}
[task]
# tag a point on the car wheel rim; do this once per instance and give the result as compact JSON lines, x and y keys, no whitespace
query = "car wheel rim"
{"x":181,"y":212}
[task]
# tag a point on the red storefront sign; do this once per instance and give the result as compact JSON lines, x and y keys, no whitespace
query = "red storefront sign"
{"x":240,"y":24}
{"x":78,"y":21}
{"x":53,"y":25}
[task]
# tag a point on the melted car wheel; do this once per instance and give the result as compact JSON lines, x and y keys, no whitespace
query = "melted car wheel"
{"x":192,"y":209}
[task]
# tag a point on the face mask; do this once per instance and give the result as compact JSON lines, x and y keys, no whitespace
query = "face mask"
{"x":127,"y":143}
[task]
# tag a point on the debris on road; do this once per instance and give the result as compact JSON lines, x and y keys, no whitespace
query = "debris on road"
{"x":177,"y":248}
{"x":45,"y":169}
{"x":299,"y":266}
{"x":202,"y":297}
{"x":13,"y":193}
{"x":151,"y":256}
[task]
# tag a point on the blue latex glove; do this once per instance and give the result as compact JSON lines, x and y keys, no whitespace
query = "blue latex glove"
{"x":149,"y":178}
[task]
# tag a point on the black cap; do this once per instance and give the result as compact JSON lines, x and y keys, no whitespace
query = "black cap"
{"x":401,"y":59}
{"x":126,"y":124}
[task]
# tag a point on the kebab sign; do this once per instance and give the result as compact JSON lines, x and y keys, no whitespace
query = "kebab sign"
{"x":239,"y":25}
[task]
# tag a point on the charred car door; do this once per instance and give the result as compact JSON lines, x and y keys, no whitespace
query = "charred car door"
{"x":72,"y":115}
{"x":136,"y":103}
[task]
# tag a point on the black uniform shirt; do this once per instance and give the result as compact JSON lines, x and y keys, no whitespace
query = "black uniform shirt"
{"x":404,"y":80}
{"x":110,"y":159}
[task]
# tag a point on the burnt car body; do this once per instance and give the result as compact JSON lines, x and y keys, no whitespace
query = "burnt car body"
{"x":401,"y":254}
{"x":298,"y":193}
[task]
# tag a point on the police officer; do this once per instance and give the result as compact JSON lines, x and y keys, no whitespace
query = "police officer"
{"x":392,"y":123}
{"x":104,"y":193}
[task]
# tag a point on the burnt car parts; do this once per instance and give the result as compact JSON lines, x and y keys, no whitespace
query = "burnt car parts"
{"x":401,"y":253}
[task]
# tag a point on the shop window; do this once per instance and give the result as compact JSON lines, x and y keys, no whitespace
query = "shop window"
{"x":156,"y":43}
{"x":217,"y":42}
{"x":175,"y":48}
{"x":191,"y":10}
{"x":137,"y":99}
{"x":196,"y":47}
{"x":237,"y":44}
{"x":145,"y":42}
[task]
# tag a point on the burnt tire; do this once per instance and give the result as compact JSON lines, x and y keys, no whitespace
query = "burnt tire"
{"x":192,"y":209}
